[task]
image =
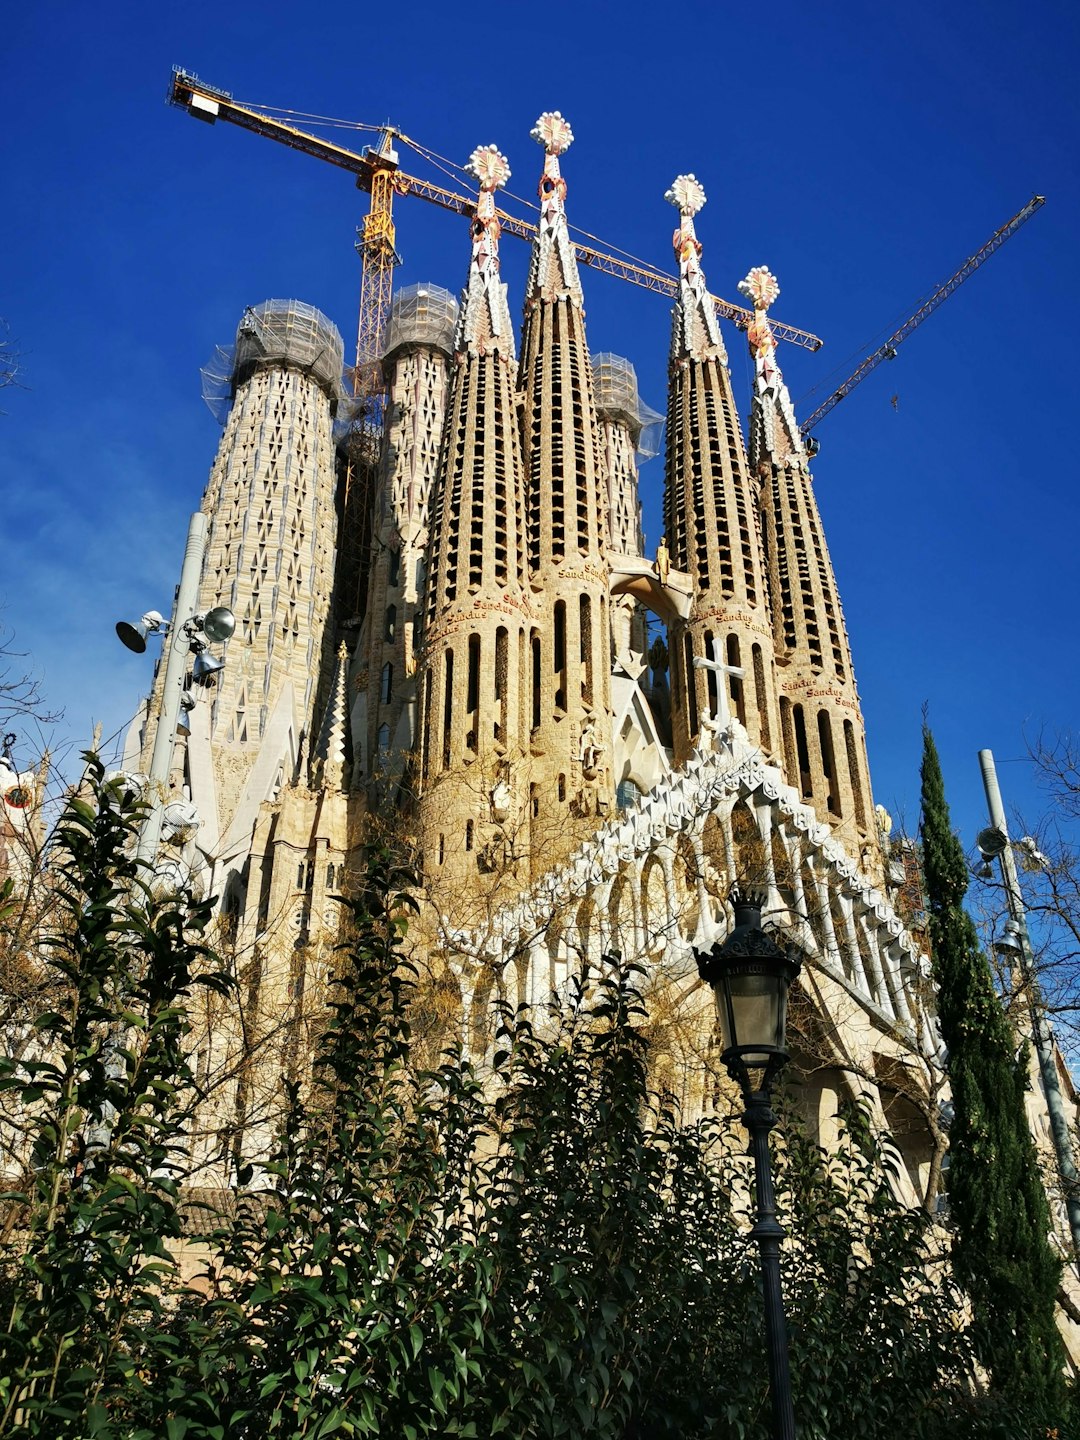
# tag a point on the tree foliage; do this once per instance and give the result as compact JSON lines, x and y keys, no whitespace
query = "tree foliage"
{"x":1001,"y":1248}
{"x":547,"y":1252}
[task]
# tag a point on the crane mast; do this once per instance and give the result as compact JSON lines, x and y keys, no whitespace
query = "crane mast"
{"x":888,"y":350}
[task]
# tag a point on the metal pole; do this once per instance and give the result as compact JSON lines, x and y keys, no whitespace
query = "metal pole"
{"x":1040,"y":1031}
{"x":768,"y":1232}
{"x":177,"y":650}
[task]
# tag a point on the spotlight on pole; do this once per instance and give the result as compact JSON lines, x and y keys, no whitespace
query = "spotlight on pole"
{"x":134,"y":636}
{"x":218,"y":624}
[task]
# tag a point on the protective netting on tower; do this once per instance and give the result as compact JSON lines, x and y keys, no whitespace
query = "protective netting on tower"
{"x":285,"y":333}
{"x":422,"y":315}
{"x":616,"y":389}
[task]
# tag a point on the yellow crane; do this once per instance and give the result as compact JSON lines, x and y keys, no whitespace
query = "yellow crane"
{"x":378,"y":172}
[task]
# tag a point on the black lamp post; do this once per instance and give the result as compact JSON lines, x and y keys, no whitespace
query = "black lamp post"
{"x":750,"y":976}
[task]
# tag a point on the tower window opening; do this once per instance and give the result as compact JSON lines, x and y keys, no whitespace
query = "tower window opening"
{"x":391,"y":623}
{"x":562,"y":787}
{"x":502,"y":650}
{"x":425,"y":759}
{"x":558,"y":654}
{"x":537,"y":677}
{"x":386,"y":683}
{"x":737,"y":690}
{"x":828,"y":762}
{"x":691,"y":687}
{"x":787,"y":729}
{"x":468,"y":835}
{"x":806,"y":784}
{"x":711,"y":676}
{"x":472,"y":697}
{"x":383,"y":738}
{"x":448,"y":706}
{"x":761,"y":698}
{"x":330,"y":872}
{"x":442,"y":848}
{"x":300,"y":875}
{"x":586,"y":647}
{"x":855,"y":773}
{"x":534,"y":800}
{"x":393,"y":574}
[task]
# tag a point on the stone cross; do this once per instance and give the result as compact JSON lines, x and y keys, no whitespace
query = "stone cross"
{"x":723,"y":671}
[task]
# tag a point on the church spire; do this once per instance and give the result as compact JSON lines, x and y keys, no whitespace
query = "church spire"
{"x":484,"y":323}
{"x":774,"y":431}
{"x":473,"y":721}
{"x":711,"y":520}
{"x":330,"y":759}
{"x":696,"y":330}
{"x":567,"y":528}
{"x":553,"y":273}
{"x":822,"y":734}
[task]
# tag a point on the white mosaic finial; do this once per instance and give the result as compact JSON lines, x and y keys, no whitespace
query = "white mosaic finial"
{"x":760,"y":286}
{"x":687,"y":194}
{"x":489,"y":167}
{"x":553,"y":132}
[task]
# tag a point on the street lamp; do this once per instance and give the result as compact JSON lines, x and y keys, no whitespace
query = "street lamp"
{"x":1015,"y":948}
{"x":750,"y":977}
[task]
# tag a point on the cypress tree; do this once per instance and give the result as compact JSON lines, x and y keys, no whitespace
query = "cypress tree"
{"x":1001,"y":1251}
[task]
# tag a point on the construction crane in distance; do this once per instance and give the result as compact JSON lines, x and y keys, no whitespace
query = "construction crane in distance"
{"x":378,"y":172}
{"x":888,"y":350}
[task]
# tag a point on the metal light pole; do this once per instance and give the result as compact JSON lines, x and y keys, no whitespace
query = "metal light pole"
{"x":750,"y":976}
{"x":995,"y":844}
{"x":178,"y":649}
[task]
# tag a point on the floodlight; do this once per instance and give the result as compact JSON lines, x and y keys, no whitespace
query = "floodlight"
{"x":218,"y":624}
{"x":1010,"y":946}
{"x":991,"y":842}
{"x":204,"y":666}
{"x":134,"y":636}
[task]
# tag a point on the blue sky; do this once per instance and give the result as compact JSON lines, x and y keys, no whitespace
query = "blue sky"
{"x":861,"y":151}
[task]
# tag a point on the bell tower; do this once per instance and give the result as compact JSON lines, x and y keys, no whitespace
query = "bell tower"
{"x":471,"y":766}
{"x":722,"y":657}
{"x":822,"y":732}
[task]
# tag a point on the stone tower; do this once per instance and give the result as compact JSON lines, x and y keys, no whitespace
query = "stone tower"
{"x":419,"y":344}
{"x":471,"y":768}
{"x":823,"y":739}
{"x":270,"y":558}
{"x":566,"y":490}
{"x":722,"y":657}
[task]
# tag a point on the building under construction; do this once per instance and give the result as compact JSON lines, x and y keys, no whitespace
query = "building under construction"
{"x":447,"y":626}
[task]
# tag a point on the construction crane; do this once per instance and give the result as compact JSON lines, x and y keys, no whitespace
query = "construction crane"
{"x":378,"y":172}
{"x":890,"y":347}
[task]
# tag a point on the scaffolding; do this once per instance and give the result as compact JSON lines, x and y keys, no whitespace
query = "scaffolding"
{"x":278,"y":333}
{"x":422,"y":315}
{"x":617,"y":399}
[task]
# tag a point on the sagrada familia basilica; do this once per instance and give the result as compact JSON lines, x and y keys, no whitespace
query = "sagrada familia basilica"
{"x":585,"y":745}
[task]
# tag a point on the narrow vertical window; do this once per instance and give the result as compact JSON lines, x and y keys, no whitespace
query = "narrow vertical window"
{"x":586,"y":648}
{"x":502,"y":645}
{"x":761,"y":698}
{"x":691,"y":687}
{"x":711,"y":676}
{"x":448,"y":706}
{"x":558,"y":653}
{"x":828,"y":762}
{"x":855,"y":773}
{"x":737,"y":692}
{"x":390,"y":625}
{"x":537,"y":679}
{"x":386,"y":687}
{"x":806,"y":784}
{"x":472,"y":692}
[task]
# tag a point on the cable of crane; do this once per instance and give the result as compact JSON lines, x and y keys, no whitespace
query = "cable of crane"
{"x":273,"y":112}
{"x":868,"y":347}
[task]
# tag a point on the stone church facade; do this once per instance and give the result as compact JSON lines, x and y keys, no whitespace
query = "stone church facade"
{"x":584,"y":745}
